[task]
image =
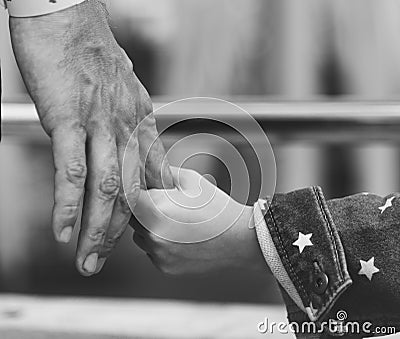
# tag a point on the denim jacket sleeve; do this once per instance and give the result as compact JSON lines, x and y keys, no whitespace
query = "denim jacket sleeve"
{"x":337,"y":261}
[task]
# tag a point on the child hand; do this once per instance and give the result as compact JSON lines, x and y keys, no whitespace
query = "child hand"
{"x":195,"y":228}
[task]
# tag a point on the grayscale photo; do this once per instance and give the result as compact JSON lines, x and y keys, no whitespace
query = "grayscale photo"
{"x":199,"y":169}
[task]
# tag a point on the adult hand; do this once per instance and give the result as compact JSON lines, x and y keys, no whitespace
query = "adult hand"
{"x":89,"y":102}
{"x":194,"y":205}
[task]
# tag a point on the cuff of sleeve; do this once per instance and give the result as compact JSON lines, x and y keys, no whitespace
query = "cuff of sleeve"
{"x":302,"y":247}
{"x":271,"y":254}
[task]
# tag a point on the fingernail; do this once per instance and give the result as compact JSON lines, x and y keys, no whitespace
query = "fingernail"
{"x":100,"y":264}
{"x":90,"y":263}
{"x":66,"y":234}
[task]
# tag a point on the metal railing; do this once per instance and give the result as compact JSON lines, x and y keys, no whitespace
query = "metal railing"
{"x":325,"y":121}
{"x":343,"y":146}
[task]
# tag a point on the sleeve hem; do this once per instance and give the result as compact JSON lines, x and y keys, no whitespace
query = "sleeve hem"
{"x":271,"y":255}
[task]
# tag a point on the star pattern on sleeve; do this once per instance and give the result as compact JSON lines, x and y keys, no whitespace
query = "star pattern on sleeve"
{"x":303,"y":241}
{"x":388,"y":203}
{"x":368,"y":268}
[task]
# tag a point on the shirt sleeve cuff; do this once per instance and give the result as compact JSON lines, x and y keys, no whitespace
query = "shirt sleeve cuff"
{"x":271,"y":254}
{"x":302,"y":247}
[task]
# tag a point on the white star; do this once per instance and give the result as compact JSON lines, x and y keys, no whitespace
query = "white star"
{"x":388,"y":204}
{"x":368,"y":268}
{"x":303,"y":241}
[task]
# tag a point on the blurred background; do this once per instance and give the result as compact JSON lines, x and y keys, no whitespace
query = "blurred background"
{"x":277,"y":48}
{"x":321,"y":75}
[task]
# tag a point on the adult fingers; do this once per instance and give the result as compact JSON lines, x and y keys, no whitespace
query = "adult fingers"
{"x":69,"y":181}
{"x":102,"y":188}
{"x":129,"y":162}
{"x":156,"y":167}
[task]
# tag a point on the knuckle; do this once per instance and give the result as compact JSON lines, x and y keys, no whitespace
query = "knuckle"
{"x":96,"y":234}
{"x":67,"y":210}
{"x":78,"y":128}
{"x":96,"y":50}
{"x":86,"y":79}
{"x":117,"y":90}
{"x":89,"y":86}
{"x":101,"y":124}
{"x":110,"y":186}
{"x":112,"y":90}
{"x":76,"y":173}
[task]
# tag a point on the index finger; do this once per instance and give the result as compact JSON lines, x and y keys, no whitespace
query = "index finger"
{"x":69,"y":181}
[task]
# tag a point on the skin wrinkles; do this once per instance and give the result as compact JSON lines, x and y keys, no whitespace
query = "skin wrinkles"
{"x":97,"y":235}
{"x":76,"y":172}
{"x":89,"y":101}
{"x":110,"y":185}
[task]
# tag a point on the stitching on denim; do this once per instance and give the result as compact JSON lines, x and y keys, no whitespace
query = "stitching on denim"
{"x":263,"y":233}
{"x":284,"y":252}
{"x":339,"y":287}
{"x":338,"y":263}
{"x":332,"y":291}
{"x":331,"y":294}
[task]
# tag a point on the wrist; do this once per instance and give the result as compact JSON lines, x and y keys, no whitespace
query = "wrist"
{"x":66,"y":20}
{"x":70,"y":29}
{"x":251,"y":255}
